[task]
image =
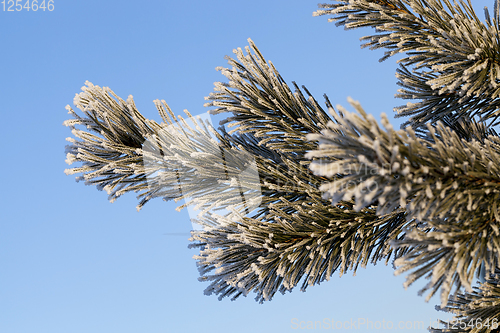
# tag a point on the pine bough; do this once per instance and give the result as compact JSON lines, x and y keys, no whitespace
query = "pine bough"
{"x":334,"y":190}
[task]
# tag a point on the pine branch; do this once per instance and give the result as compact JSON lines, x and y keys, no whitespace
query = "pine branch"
{"x":298,"y":235}
{"x":443,"y":182}
{"x":262,"y":103}
{"x":309,"y":245}
{"x":430,"y":105}
{"x":426,"y":197}
{"x":277,"y":221}
{"x":475,"y":312}
{"x":454,"y":57}
{"x":121,"y":151}
{"x":110,"y":148}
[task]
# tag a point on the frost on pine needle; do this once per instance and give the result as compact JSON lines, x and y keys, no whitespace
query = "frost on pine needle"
{"x":109,"y":145}
{"x":451,"y":57}
{"x":193,"y":162}
{"x":480,"y":306}
{"x":240,"y":256}
{"x":258,"y":174}
{"x":121,"y":151}
{"x":310,"y":239}
{"x":288,"y":194}
{"x":442,"y":181}
{"x":261,"y":102}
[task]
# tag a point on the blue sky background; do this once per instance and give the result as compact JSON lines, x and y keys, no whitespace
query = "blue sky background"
{"x":70,"y":261}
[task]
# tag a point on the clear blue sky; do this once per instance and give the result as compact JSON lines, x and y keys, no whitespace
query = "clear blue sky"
{"x":70,"y":261}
